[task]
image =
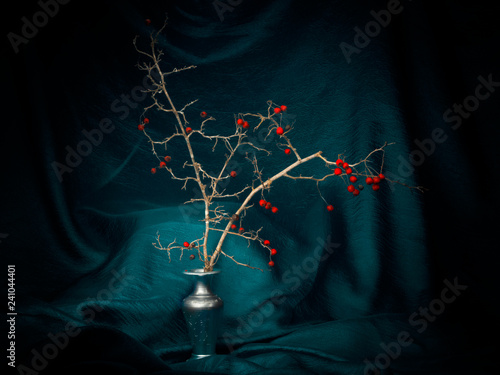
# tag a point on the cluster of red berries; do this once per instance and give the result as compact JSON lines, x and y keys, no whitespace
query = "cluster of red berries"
{"x":348,"y":171}
{"x":280,"y":109}
{"x":279,"y":129}
{"x":163,"y":164}
{"x":143,"y":125}
{"x":244,"y":124}
{"x":268,"y":206}
{"x":341,"y":164}
{"x":236,"y":217}
{"x":267,"y":243}
{"x":234,"y":227}
{"x":374,"y":181}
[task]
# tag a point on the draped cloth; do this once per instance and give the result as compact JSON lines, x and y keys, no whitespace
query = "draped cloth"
{"x":392,"y":282}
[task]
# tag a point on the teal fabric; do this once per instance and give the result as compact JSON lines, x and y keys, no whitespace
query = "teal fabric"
{"x":390,"y":282}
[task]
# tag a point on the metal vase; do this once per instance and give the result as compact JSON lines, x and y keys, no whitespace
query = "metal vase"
{"x":203,"y":311}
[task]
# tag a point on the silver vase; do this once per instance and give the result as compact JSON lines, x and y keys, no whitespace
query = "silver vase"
{"x":202,"y":310}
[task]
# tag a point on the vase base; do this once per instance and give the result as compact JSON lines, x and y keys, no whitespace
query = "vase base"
{"x":199,"y":356}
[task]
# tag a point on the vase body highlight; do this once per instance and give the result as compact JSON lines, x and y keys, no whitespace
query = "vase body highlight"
{"x":203,"y":311}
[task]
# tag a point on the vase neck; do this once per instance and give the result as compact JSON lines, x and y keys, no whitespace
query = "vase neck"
{"x":202,"y":285}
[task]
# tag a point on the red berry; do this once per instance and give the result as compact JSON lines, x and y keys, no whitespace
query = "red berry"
{"x":140,"y":126}
{"x":239,"y":121}
{"x":262,"y":202}
{"x":274,"y":209}
{"x":351,"y":188}
{"x":267,"y":242}
{"x":186,"y":244}
{"x":329,"y":207}
{"x":283,"y":108}
{"x":203,"y":114}
{"x":277,"y":110}
{"x":163,"y":164}
{"x":233,"y":226}
{"x":381,"y":176}
{"x":287,"y":151}
{"x":188,"y":130}
{"x":345,"y":165}
{"x":280,"y":130}
{"x":145,"y":121}
{"x":167,"y":158}
{"x":147,"y":21}
{"x":192,"y":257}
{"x":339,"y":162}
{"x":369,"y":180}
{"x":246,"y":125}
{"x":375,"y":187}
{"x":337,"y":171}
{"x":271,"y":263}
{"x":348,"y":170}
{"x":242,"y":230}
{"x":153,"y":170}
{"x":376,"y":180}
{"x":353,"y":179}
{"x":233,"y":174}
{"x":273,"y":252}
{"x":268,"y":205}
{"x":355,"y":192}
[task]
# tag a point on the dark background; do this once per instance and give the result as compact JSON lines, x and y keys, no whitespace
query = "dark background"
{"x":69,"y":239}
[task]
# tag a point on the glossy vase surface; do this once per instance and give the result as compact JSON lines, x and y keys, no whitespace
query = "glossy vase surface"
{"x":203,"y":311}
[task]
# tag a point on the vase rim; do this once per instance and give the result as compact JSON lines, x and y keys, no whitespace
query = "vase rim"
{"x":200,"y":272}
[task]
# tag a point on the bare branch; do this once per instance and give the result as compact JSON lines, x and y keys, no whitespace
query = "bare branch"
{"x":214,"y":185}
{"x":239,"y":263}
